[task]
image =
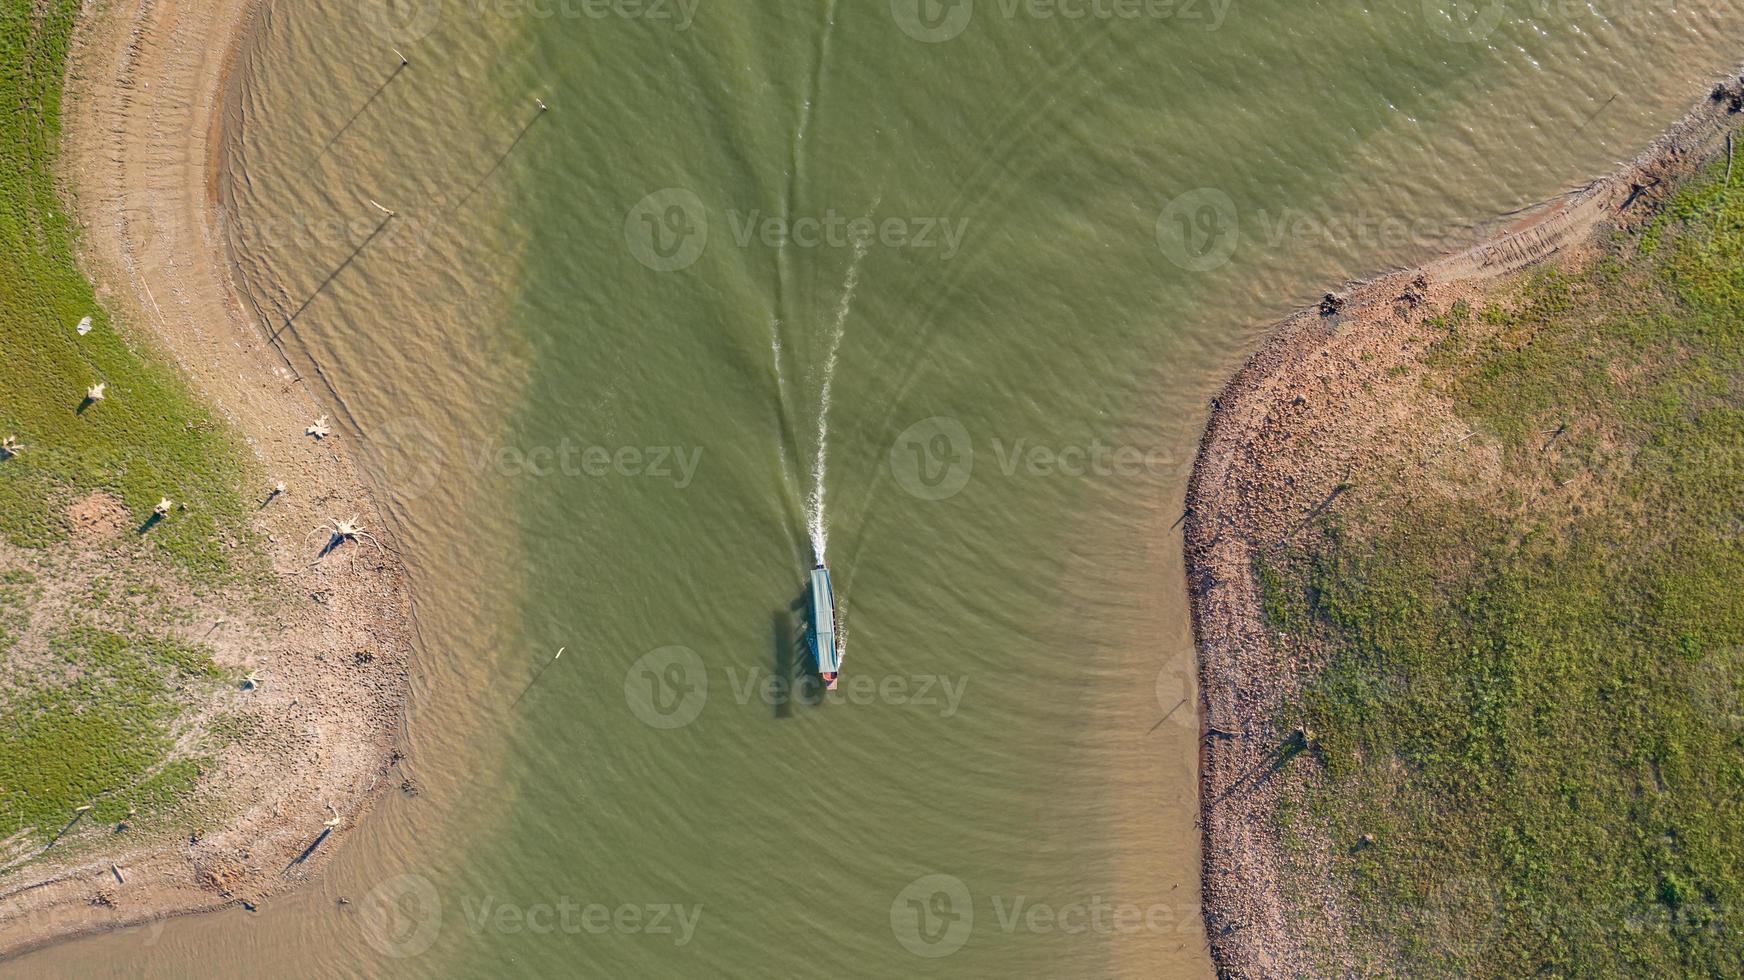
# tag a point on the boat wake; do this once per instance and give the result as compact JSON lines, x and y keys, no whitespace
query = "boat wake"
{"x":817,"y":522}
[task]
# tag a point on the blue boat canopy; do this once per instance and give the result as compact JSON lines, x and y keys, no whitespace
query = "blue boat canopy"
{"x":823,"y":622}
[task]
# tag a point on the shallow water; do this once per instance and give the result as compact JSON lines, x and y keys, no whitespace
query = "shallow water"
{"x":601,"y":389}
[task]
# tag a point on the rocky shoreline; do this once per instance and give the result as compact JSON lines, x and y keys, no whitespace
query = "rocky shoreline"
{"x":1335,"y":393}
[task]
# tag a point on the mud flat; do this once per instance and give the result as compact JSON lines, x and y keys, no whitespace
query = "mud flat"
{"x":1337,"y":398}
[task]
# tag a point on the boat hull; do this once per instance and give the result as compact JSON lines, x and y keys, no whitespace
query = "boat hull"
{"x":825,"y":647}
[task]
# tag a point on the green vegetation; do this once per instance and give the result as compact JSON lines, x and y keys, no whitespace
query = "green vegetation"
{"x":93,"y":693}
{"x":107,"y":727}
{"x":1532,"y":718}
{"x":149,"y":438}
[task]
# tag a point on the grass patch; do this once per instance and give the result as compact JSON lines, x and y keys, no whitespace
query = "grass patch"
{"x":92,"y":715}
{"x":103,"y":736}
{"x":149,"y":438}
{"x":1533,"y":695}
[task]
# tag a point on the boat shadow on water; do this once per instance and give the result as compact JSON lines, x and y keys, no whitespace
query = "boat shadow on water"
{"x":791,"y":663}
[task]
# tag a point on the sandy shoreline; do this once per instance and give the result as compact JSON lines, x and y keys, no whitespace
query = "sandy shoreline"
{"x":147,"y":115}
{"x":1299,"y":419}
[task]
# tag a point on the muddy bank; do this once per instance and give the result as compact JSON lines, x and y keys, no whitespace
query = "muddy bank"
{"x":1336,"y":394}
{"x":149,"y":103}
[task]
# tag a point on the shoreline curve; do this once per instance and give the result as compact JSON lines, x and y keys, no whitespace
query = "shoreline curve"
{"x":1312,"y":384}
{"x":151,"y":100}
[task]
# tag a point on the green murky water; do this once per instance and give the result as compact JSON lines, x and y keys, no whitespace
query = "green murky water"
{"x":940,"y":290}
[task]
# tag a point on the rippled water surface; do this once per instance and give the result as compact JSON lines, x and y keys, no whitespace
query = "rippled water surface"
{"x":939,"y":290}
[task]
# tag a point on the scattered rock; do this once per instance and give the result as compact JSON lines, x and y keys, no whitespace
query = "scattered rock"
{"x":1411,"y":297}
{"x":1732,"y":94}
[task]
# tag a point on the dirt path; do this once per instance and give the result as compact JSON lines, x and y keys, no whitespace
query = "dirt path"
{"x":143,"y":121}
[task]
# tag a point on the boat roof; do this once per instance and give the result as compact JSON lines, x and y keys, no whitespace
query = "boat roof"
{"x":823,"y":618}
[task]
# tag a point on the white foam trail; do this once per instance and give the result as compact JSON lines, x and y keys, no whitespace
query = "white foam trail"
{"x":816,"y":521}
{"x":780,"y":388}
{"x":841,"y":631}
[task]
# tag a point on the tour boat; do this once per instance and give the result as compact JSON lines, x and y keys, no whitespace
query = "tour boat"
{"x":823,"y":627}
